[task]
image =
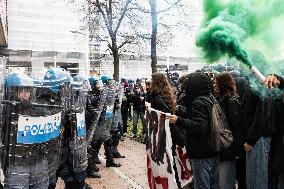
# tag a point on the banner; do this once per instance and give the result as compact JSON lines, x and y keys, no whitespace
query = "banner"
{"x":168,"y":166}
{"x":33,"y":130}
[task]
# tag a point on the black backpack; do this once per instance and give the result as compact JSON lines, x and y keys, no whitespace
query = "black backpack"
{"x":220,"y":136}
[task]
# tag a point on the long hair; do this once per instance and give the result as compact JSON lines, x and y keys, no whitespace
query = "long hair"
{"x":161,"y":87}
{"x":226,"y":85}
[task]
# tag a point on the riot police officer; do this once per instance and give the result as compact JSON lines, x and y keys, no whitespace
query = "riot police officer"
{"x":74,"y":140}
{"x":117,"y":130}
{"x":103,"y":131}
{"x":95,"y":102}
{"x":28,"y":133}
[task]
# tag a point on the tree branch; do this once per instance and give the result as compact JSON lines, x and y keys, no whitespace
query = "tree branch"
{"x":122,"y":16}
{"x":171,"y":6}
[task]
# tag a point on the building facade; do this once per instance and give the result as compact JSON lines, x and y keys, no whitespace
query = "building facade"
{"x":46,"y":33}
{"x":133,"y":67}
{"x":3,"y":23}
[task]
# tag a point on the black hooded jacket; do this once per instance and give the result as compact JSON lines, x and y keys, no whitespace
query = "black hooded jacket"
{"x":232,"y":110}
{"x":197,"y":124}
{"x":258,"y":117}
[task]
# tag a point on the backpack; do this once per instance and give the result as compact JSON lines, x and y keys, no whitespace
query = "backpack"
{"x":220,"y":136}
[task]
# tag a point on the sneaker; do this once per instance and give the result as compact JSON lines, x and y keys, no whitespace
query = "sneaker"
{"x":131,"y":135}
{"x":124,"y":134}
{"x":112,"y":164}
{"x":121,"y":138}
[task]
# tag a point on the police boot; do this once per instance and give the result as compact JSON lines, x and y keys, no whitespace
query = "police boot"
{"x":115,"y":152}
{"x":112,"y":164}
{"x":96,"y":145}
{"x":109,"y":159}
{"x":73,"y":185}
{"x":94,"y":175}
{"x":87,"y":186}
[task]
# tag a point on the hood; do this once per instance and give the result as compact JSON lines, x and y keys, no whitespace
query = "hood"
{"x":198,"y":84}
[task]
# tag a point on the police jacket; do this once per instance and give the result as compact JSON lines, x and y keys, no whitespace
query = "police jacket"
{"x":93,"y":100}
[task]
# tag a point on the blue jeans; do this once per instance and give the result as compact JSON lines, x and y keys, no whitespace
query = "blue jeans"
{"x":257,"y":164}
{"x":136,"y":116}
{"x":205,"y":173}
{"x":227,"y":174}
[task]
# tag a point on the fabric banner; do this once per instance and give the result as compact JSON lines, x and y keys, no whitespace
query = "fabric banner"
{"x":168,"y":166}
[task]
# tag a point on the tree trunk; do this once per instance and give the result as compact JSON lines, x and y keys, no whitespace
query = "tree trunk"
{"x":153,"y":4}
{"x":116,"y":65}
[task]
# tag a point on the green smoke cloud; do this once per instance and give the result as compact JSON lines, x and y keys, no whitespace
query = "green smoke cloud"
{"x":229,"y":23}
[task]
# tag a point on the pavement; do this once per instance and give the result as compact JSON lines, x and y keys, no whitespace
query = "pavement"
{"x":132,"y":173}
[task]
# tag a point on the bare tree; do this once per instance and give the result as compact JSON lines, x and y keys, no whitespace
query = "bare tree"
{"x":113,"y":18}
{"x":127,"y":26}
{"x":165,"y":35}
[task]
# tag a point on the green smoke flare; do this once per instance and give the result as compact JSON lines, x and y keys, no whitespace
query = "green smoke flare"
{"x":229,"y":23}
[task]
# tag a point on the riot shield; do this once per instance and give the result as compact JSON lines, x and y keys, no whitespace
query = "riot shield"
{"x":103,"y":130}
{"x":2,"y":75}
{"x":51,"y":104}
{"x":96,"y":113}
{"x":78,"y":139}
{"x":31,"y":132}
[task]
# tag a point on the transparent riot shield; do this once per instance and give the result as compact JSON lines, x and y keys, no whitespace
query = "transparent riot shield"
{"x":31,"y":130}
{"x":96,"y":113}
{"x":51,"y":104}
{"x":104,"y":127}
{"x":2,"y":75}
{"x":78,"y":137}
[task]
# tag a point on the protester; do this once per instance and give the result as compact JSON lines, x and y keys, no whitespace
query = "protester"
{"x":138,"y":101}
{"x":274,"y":81}
{"x":228,"y":100}
{"x":124,"y":109}
{"x":258,"y":123}
{"x":197,"y":125}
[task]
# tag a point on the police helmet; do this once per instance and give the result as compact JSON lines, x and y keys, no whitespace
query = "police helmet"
{"x":93,"y":80}
{"x":56,"y":77}
{"x":14,"y":79}
{"x":105,"y":78}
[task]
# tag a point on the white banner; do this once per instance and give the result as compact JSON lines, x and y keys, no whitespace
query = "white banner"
{"x":164,"y":170}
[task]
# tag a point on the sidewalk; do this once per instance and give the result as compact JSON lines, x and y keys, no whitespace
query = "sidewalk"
{"x":132,"y":173}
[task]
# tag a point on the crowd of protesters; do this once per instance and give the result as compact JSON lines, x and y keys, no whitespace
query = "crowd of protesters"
{"x":254,"y":160}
